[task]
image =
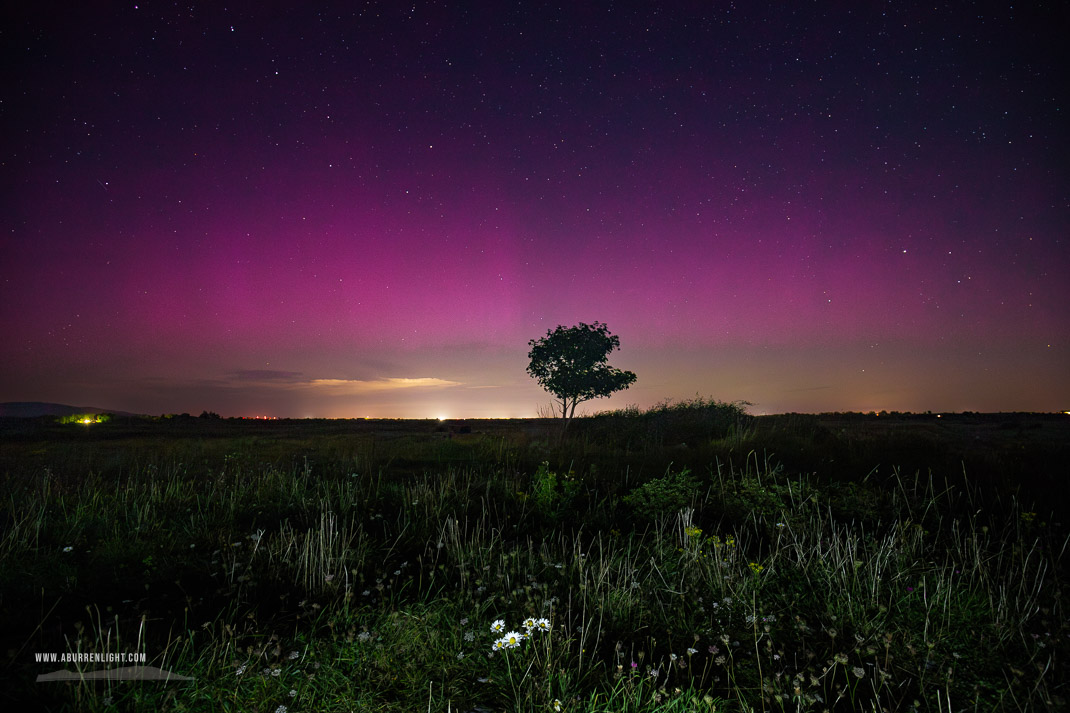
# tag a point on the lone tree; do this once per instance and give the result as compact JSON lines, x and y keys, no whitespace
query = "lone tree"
{"x":570,"y":363}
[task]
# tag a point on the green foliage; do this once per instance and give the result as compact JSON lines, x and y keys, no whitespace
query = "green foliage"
{"x":571,"y":363}
{"x":664,"y":496}
{"x":334,"y":574}
{"x":551,"y":493}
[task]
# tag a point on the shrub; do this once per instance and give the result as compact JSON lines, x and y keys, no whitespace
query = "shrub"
{"x":663,"y":496}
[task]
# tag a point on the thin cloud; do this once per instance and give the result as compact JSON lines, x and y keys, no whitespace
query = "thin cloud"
{"x":266,"y":375}
{"x":359,"y":386}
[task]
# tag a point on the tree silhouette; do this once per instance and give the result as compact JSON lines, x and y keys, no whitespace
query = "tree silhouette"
{"x":570,"y":363}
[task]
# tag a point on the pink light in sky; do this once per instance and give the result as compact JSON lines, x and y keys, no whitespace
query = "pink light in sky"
{"x":344,"y":215}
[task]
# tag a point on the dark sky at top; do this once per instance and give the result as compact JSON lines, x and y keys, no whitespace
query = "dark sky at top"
{"x":368,"y":209}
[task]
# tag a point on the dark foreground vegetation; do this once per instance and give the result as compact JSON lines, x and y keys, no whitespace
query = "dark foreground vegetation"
{"x":690,"y":558}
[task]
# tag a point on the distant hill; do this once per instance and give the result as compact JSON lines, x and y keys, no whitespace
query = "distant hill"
{"x":33,"y":409}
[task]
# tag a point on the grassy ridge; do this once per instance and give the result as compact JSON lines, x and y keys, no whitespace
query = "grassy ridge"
{"x":690,"y":558}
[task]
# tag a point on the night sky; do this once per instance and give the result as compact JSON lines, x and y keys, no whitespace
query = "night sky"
{"x":368,"y":209}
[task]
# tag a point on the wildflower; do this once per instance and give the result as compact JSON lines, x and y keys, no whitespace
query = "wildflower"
{"x":240,"y":671}
{"x":858,"y":671}
{"x":692,"y":652}
{"x":464,"y":621}
{"x":328,"y":577}
{"x":558,"y":705}
{"x":673,"y":657}
{"x":68,"y":548}
{"x":275,"y":672}
{"x":635,"y":665}
{"x":293,"y":655}
{"x":542,"y":624}
{"x":108,"y":701}
{"x":653,"y":673}
{"x":719,"y":660}
{"x":460,"y":655}
{"x":469,"y":636}
{"x":755,"y":567}
{"x":281,"y":709}
{"x":529,"y":624}
{"x":498,"y":626}
{"x":513,"y":639}
{"x":293,"y":693}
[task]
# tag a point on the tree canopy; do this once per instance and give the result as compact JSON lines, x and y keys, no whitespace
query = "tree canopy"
{"x":570,"y":363}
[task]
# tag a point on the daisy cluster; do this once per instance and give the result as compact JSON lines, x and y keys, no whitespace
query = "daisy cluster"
{"x":512,"y":639}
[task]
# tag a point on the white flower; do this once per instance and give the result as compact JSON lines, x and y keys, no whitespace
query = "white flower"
{"x":513,"y":639}
{"x":68,"y":548}
{"x":541,"y":624}
{"x":281,"y":709}
{"x":498,"y":626}
{"x":558,"y":706}
{"x":293,"y":655}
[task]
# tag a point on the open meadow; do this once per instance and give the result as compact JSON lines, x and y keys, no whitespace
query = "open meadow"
{"x":687,"y":558}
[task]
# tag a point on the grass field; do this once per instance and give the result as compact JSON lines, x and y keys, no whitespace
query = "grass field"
{"x":689,"y":558}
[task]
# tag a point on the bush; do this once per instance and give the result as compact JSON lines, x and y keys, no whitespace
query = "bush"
{"x":662,"y":497}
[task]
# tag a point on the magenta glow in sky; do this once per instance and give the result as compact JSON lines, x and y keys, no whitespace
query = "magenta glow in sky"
{"x":369,"y":212}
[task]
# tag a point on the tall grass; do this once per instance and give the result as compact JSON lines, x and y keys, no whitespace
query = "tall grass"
{"x":314,"y":583}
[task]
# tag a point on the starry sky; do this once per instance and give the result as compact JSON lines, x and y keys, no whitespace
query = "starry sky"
{"x":367,"y":209}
